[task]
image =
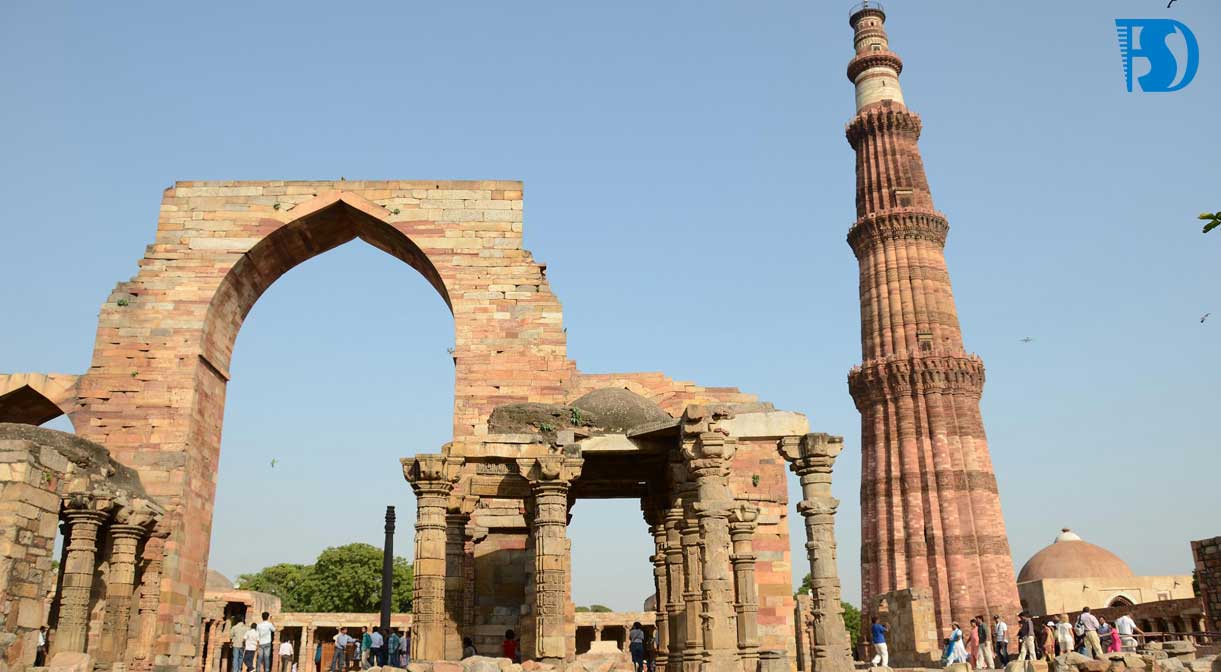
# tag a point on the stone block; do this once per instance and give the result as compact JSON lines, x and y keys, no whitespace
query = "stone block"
{"x":69,"y":661}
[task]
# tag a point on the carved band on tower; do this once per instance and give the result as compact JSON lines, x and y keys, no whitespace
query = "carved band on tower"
{"x":930,"y":510}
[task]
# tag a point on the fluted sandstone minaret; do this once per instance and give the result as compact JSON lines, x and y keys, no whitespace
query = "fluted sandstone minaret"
{"x":930,"y":511}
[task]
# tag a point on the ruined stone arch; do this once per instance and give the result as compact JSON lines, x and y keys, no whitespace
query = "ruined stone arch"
{"x":1120,"y":600}
{"x":34,"y":398}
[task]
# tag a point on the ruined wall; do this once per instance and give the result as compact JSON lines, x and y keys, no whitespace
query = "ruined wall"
{"x":912,"y":640}
{"x":1055,"y":596}
{"x":1207,"y":553}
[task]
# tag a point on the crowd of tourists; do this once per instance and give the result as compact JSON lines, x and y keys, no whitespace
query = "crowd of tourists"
{"x":978,"y":642}
{"x":376,"y":647}
{"x":254,"y":640}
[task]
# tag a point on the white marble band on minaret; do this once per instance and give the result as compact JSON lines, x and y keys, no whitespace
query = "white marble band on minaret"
{"x":875,"y":70}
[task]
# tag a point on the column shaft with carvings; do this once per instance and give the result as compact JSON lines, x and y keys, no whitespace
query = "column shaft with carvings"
{"x":473,"y":535}
{"x":130,"y":528}
{"x":432,"y":477}
{"x":708,"y":452}
{"x":743,"y":521}
{"x":655,"y":516}
{"x":811,"y":457}
{"x":550,"y":478}
{"x":457,"y":517}
{"x":693,"y":633}
{"x":84,"y":516}
{"x":150,"y":600}
{"x":675,"y":608}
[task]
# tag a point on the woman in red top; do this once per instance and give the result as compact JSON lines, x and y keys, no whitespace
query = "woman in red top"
{"x":509,"y":646}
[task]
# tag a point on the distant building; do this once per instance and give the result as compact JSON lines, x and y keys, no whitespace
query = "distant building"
{"x":1072,"y":573}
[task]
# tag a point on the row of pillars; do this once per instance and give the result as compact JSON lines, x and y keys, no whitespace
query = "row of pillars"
{"x":704,"y":562}
{"x":89,"y":521}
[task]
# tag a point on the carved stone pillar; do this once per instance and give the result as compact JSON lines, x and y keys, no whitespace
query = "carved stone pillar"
{"x":550,"y":478}
{"x":85,"y":516}
{"x":654,"y":515}
{"x":675,"y":607}
{"x":305,"y":654}
{"x":742,"y":523}
{"x":473,"y":534}
{"x":811,"y":457}
{"x":432,"y":477}
{"x":131,"y":525}
{"x":150,"y":599}
{"x":457,"y":517}
{"x":708,"y":453}
{"x":692,"y":569}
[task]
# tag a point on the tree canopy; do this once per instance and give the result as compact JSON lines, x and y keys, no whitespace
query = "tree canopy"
{"x":343,"y":579}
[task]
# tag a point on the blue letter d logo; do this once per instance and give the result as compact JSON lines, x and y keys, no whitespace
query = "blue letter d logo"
{"x":1163,"y":66}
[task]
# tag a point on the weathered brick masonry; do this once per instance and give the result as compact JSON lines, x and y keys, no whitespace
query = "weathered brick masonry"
{"x":930,"y":510}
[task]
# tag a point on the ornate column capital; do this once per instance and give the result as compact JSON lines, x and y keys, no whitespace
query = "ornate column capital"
{"x":811,"y":452}
{"x":432,"y":474}
{"x":743,"y":519}
{"x":557,"y":469}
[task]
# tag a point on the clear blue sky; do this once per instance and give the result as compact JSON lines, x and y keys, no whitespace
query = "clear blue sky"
{"x":675,"y":154}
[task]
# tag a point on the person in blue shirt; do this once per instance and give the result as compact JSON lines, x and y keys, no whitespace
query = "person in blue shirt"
{"x":878,"y":638}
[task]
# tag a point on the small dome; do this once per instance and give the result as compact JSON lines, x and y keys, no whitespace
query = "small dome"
{"x":218,"y":581}
{"x":619,"y":409}
{"x":1071,"y":558}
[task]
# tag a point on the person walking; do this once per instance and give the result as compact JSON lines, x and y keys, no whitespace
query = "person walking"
{"x":1064,"y":634}
{"x":250,"y":646}
{"x":1089,"y":623}
{"x":957,"y":651}
{"x":970,"y":640}
{"x":1025,"y":637}
{"x":985,"y":645}
{"x":1049,"y":640}
{"x":635,"y":639}
{"x":877,"y":633}
{"x":1109,"y":636}
{"x":286,"y":656}
{"x":237,"y":638}
{"x":40,"y":654}
{"x":266,"y":632}
{"x":406,"y":647}
{"x":1000,"y":632}
{"x":366,"y":643}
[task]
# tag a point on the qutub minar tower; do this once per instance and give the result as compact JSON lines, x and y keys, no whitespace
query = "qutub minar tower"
{"x":930,"y":511}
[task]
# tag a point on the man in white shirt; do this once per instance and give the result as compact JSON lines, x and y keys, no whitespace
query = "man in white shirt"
{"x":266,"y":631}
{"x":377,"y":652}
{"x":1126,"y":627}
{"x":1000,"y":632}
{"x":286,"y":655}
{"x":250,"y":645}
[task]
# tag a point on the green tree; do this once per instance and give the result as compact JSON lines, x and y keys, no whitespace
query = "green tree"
{"x":600,"y":609}
{"x":1211,"y":220}
{"x":343,"y":579}
{"x":852,"y":615}
{"x":289,"y":582}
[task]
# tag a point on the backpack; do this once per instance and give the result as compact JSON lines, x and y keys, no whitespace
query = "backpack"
{"x":1079,"y":628}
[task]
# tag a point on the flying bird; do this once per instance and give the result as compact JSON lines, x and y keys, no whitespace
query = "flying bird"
{"x":1204,"y":317}
{"x":273,"y":463}
{"x":1169,"y":3}
{"x":1027,"y":339}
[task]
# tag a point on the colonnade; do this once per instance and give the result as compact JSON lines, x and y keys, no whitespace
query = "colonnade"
{"x":100,"y":529}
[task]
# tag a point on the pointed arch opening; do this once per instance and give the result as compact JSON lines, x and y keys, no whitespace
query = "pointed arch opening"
{"x":317,"y":226}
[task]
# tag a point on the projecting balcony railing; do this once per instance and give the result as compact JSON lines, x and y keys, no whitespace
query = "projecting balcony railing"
{"x":867,"y":4}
